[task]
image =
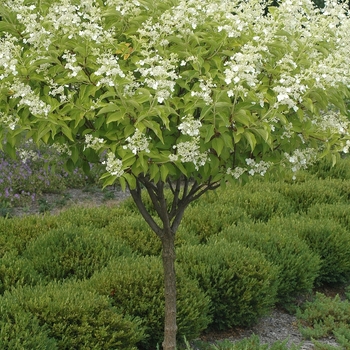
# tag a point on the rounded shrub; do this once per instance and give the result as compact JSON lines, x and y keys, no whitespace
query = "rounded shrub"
{"x":16,"y":271}
{"x":328,"y":239}
{"x":303,"y":195}
{"x":298,"y":266}
{"x":17,"y":232}
{"x":135,"y":286}
{"x":71,"y":251}
{"x":134,"y":230}
{"x":261,"y":202}
{"x":240,"y":282}
{"x":96,"y":217}
{"x":71,"y":315}
{"x":338,"y":212}
{"x":204,"y":219}
{"x":19,"y":329}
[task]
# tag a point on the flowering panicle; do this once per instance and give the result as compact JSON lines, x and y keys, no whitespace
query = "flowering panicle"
{"x":9,"y":120}
{"x":190,"y":126}
{"x":8,"y":60}
{"x":109,"y":69}
{"x":29,"y":99}
{"x":93,"y":142}
{"x":114,"y":166}
{"x":138,"y":142}
{"x":189,"y":152}
{"x":301,"y":158}
{"x":62,"y":148}
{"x":205,"y":86}
{"x":257,"y":167}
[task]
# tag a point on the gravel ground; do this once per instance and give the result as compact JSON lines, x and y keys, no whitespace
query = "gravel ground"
{"x":279,"y":325}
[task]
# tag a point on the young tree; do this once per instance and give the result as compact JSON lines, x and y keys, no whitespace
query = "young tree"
{"x":180,"y":94}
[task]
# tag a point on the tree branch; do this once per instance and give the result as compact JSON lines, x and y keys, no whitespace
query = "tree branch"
{"x":136,"y":195}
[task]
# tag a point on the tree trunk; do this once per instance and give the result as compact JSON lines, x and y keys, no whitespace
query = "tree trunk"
{"x":168,"y":256}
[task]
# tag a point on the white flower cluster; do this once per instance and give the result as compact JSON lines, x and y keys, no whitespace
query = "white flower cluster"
{"x":189,"y":152}
{"x":93,"y":142}
{"x":190,"y":126}
{"x":71,"y":64}
{"x":290,"y":91}
{"x":57,"y":90}
{"x":114,"y":166}
{"x":138,"y":142}
{"x":26,"y":154}
{"x":79,"y":21}
{"x":257,"y":168}
{"x":237,"y":172}
{"x":61,"y":148}
{"x":205,"y":92}
{"x":333,"y":122}
{"x":131,"y":7}
{"x":30,"y":99}
{"x":108,"y":68}
{"x":159,"y":74}
{"x":9,"y":120}
{"x":8,"y":60}
{"x":346,"y":147}
{"x":301,"y":158}
{"x":243,"y":68}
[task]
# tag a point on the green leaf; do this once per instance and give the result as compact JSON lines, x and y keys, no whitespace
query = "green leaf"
{"x":218,"y":145}
{"x":251,"y":139}
{"x":131,"y":180}
{"x":241,"y":117}
{"x":111,"y":107}
{"x":164,"y":171}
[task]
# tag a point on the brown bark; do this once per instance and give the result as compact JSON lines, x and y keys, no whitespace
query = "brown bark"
{"x":168,"y":256}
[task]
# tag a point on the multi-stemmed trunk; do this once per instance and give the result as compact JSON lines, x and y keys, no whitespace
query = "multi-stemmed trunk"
{"x":184,"y":191}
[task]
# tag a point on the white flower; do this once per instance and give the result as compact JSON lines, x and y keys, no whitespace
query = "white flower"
{"x":93,"y":142}
{"x":189,"y":152}
{"x":190,"y":126}
{"x":114,"y":166}
{"x":137,"y":142}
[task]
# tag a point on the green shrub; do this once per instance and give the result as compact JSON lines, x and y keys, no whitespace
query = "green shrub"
{"x":16,"y":271}
{"x":20,"y":329}
{"x":16,"y":233}
{"x":298,"y":266}
{"x":328,"y":239}
{"x":338,"y":212}
{"x":71,"y":251}
{"x":134,"y":230}
{"x":136,"y":287}
{"x":303,"y":195}
{"x":324,"y":168}
{"x":326,"y":317}
{"x":74,"y":317}
{"x":240,"y":282}
{"x":262,"y":203}
{"x":251,"y":343}
{"x":97,"y":217}
{"x":204,"y":219}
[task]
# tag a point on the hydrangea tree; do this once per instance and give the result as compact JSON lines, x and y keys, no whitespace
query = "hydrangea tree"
{"x":180,"y":94}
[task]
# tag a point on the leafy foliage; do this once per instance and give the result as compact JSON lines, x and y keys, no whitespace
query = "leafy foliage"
{"x":297,"y":266}
{"x":328,"y":239}
{"x":73,"y":252}
{"x":65,"y":316}
{"x":135,"y":286}
{"x":324,"y":317}
{"x":239,"y":281}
